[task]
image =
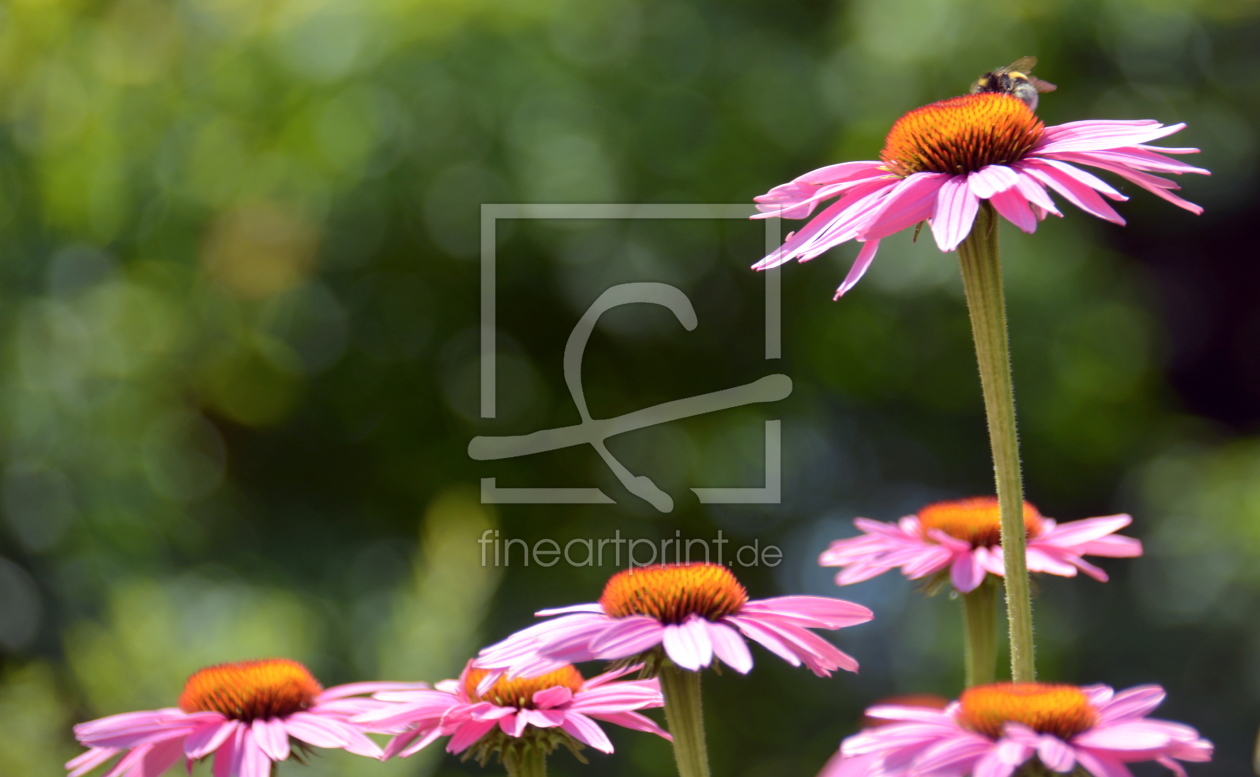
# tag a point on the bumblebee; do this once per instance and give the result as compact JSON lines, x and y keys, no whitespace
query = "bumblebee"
{"x":1017,"y":80}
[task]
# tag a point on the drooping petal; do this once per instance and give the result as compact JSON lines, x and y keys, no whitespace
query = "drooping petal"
{"x":89,"y":760}
{"x":956,"y":208}
{"x":860,"y":265}
{"x":1073,"y":191}
{"x":587,"y":731}
{"x":967,"y":573}
{"x":271,"y":738}
{"x":730,"y":647}
{"x":1013,"y":206}
{"x":207,"y":739}
{"x":688,"y":645}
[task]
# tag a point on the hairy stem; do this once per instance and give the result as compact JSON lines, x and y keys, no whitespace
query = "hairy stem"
{"x":982,"y":281}
{"x":685,"y":718}
{"x":980,"y":633}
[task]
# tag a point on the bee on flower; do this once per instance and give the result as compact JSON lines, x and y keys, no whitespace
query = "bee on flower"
{"x":940,"y":162}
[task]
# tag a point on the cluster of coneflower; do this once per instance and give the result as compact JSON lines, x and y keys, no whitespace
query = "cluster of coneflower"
{"x":957,"y":165}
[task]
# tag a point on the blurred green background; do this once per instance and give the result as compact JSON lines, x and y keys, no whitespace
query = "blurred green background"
{"x":239,"y":247}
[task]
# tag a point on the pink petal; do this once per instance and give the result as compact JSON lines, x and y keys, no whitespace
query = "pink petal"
{"x":631,"y":720}
{"x":910,"y":201}
{"x":314,"y":730}
{"x":1035,"y":193}
{"x":1131,"y":703}
{"x":160,"y":757}
{"x":1114,"y":547}
{"x":859,"y":268}
{"x":1066,"y":535}
{"x":966,"y":572}
{"x":1041,"y":561}
{"x":992,"y":180}
{"x":956,"y":208}
{"x":254,"y":762}
{"x":552,"y":697}
{"x":227,"y":759}
{"x":1125,"y":735}
{"x":954,"y":754}
{"x":1101,"y":134}
{"x":730,"y":647}
{"x":593,"y":607}
{"x":1074,"y":192}
{"x":764,"y":637}
{"x":1102,"y":765}
{"x":1082,"y":176}
{"x":468,"y":734}
{"x":688,"y":644}
{"x":421,"y":737}
{"x":812,"y":611}
{"x":1013,"y":206}
{"x":627,"y":638}
{"x":271,"y":737}
{"x":87,"y":761}
{"x":1056,"y":754}
{"x":588,"y":732}
{"x":207,"y":739}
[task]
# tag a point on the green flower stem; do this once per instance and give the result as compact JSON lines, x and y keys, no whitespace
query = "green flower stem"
{"x":982,"y":281}
{"x":980,"y":632}
{"x":681,"y":689}
{"x":529,"y":761}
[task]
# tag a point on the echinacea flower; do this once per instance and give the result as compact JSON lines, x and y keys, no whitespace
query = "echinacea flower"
{"x":1029,"y":729}
{"x":545,"y":708}
{"x":941,"y":160}
{"x":248,"y":715}
{"x":695,"y":612}
{"x":963,"y":536}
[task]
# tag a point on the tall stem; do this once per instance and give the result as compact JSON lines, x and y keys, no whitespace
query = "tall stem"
{"x":980,"y":633}
{"x":982,"y":281}
{"x":530,"y":761}
{"x":683,"y":714}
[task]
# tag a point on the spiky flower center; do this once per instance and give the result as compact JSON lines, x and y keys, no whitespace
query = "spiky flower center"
{"x":976,"y":520}
{"x":519,"y":691}
{"x":961,"y":135}
{"x":673,"y":592}
{"x":247,"y":690}
{"x":1061,"y":710}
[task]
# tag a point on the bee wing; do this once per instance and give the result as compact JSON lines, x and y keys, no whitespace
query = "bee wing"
{"x":1023,"y":65}
{"x":1041,"y":85}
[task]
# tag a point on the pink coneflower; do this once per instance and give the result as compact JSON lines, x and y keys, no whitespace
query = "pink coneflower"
{"x":694,"y":612}
{"x":993,"y":730}
{"x":511,"y":709}
{"x":941,"y":160}
{"x":245,"y":714}
{"x":964,"y":537}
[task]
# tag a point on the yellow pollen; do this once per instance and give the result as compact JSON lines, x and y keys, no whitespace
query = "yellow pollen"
{"x":961,"y":135}
{"x":975,"y":520}
{"x":672,"y":592}
{"x":519,"y":691}
{"x":1061,"y":710}
{"x":246,"y":690}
